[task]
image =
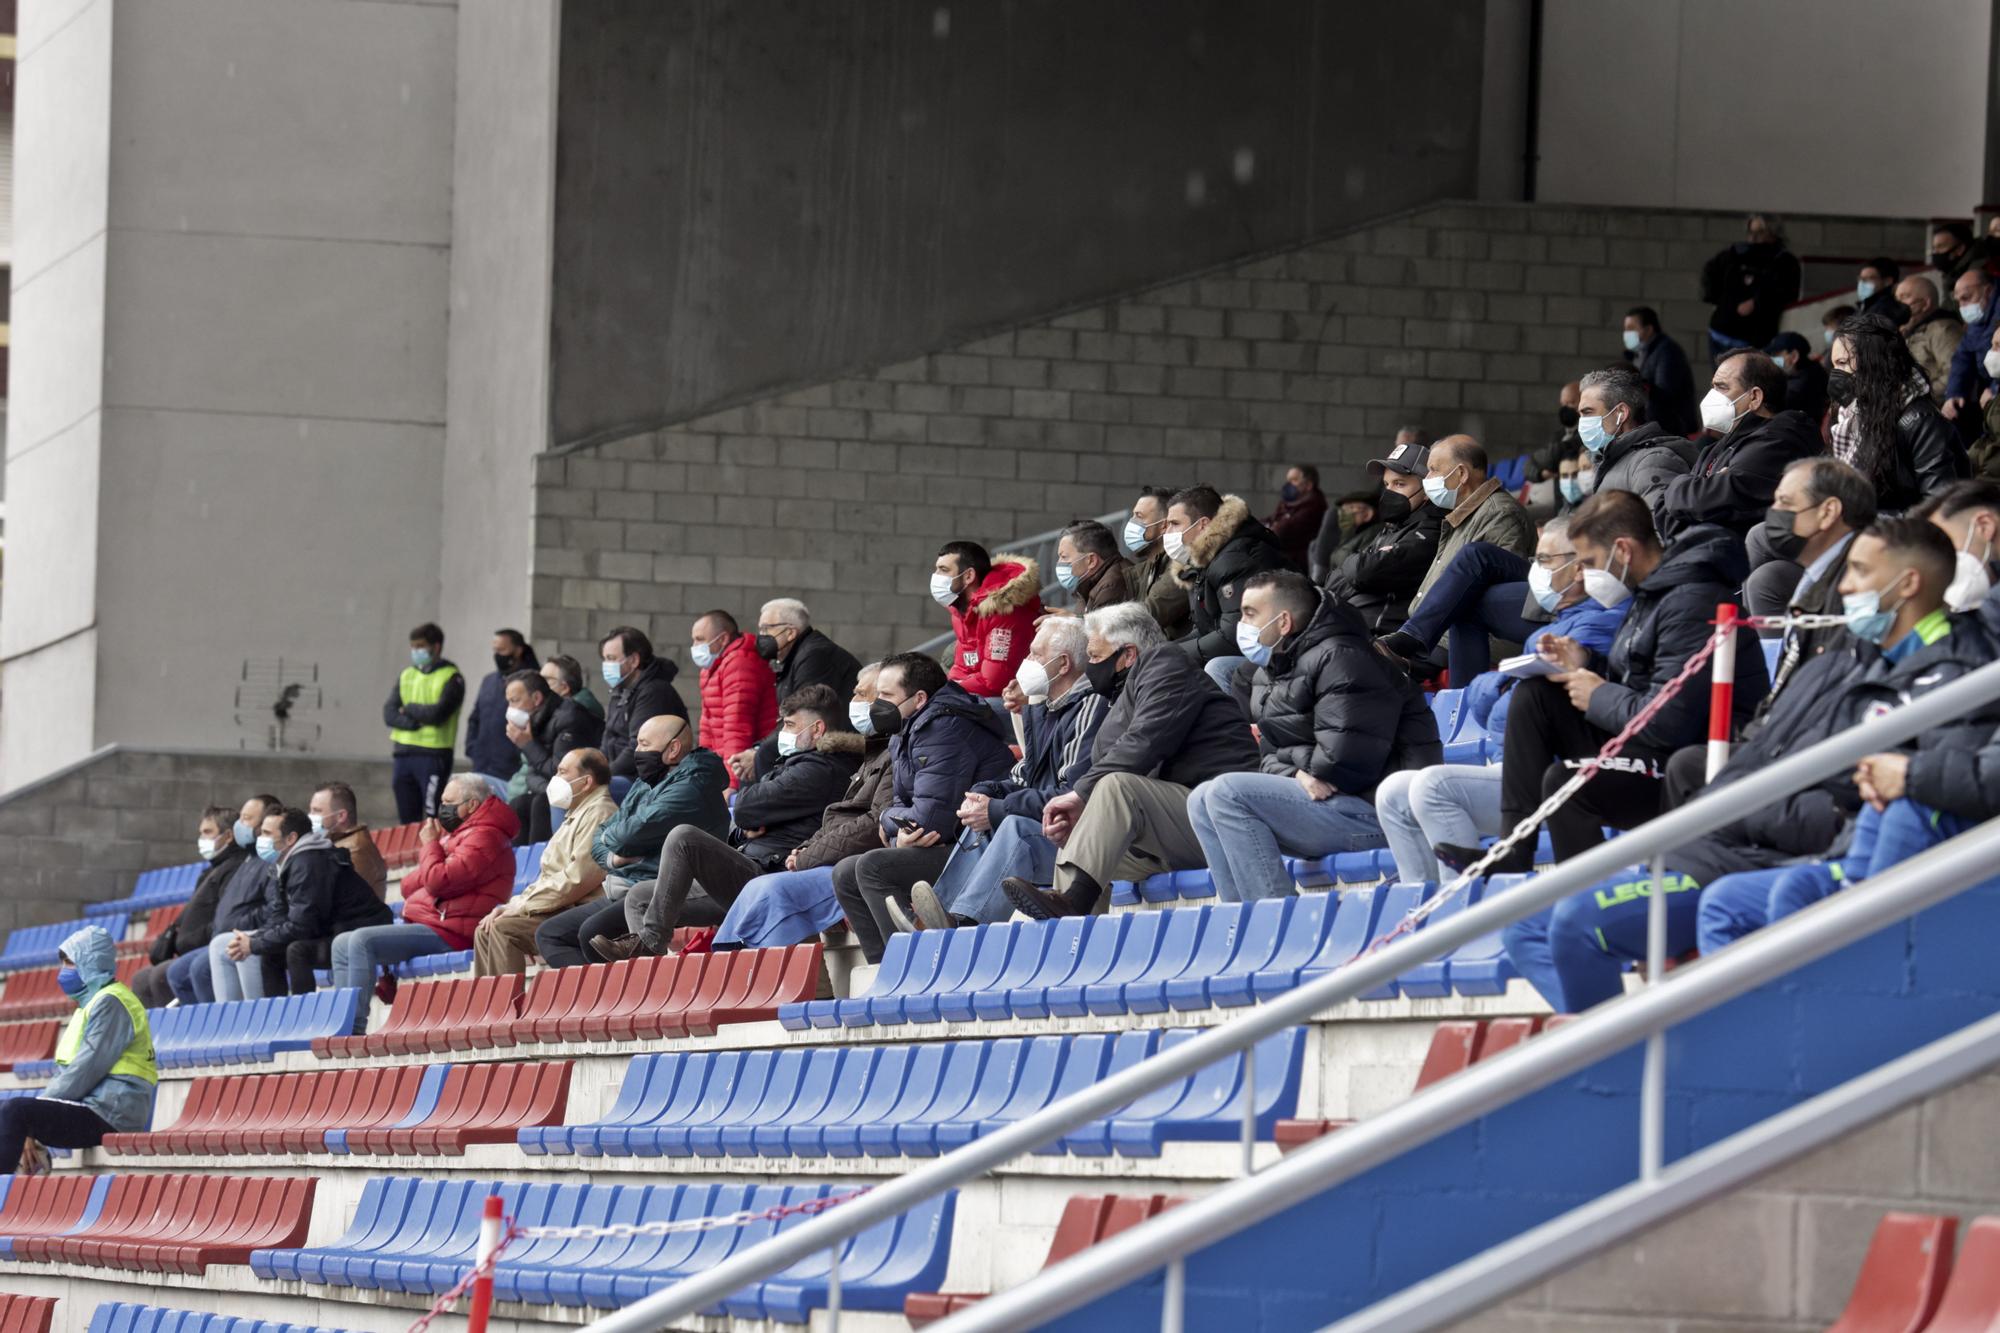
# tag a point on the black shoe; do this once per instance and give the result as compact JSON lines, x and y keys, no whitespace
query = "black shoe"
{"x":1457,"y":859}
{"x":1036,"y":904}
{"x":1404,"y":645}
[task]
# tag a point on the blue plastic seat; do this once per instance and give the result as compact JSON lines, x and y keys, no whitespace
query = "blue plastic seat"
{"x":1117,"y":940}
{"x":1035,"y":970}
{"x":1000,"y":951}
{"x":1299,"y":936}
{"x":1209,"y":1104}
{"x":1481,"y":966}
{"x":1250,"y":936}
{"x":1120,"y":992}
{"x":1430,"y":979}
{"x":960,"y":954}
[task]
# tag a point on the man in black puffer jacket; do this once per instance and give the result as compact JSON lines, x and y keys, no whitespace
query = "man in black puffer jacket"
{"x":799,"y":656}
{"x":1736,"y":474}
{"x":1334,"y":717}
{"x":1217,"y":546}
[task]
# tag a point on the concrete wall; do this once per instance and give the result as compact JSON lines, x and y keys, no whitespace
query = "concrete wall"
{"x":1748,"y":104}
{"x":761,"y":192}
{"x":1456,"y":317}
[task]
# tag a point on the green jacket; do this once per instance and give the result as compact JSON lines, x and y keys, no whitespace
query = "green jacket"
{"x":694,"y":791}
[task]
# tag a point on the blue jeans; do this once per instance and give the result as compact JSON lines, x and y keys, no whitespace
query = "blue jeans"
{"x":1445,"y":803}
{"x":189,"y":978}
{"x":357,"y":953}
{"x":785,"y":907}
{"x":1480,"y":593}
{"x":1575,"y":952}
{"x":233,"y":980}
{"x":1248,"y":823}
{"x":1220,"y":669}
{"x":969,"y":884}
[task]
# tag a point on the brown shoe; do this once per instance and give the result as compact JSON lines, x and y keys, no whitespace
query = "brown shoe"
{"x":1037,"y":904}
{"x":620,"y":949}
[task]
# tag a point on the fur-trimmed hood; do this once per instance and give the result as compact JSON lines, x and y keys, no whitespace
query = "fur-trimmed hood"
{"x":1012,"y":583}
{"x":849,"y":742}
{"x":1235,"y":512}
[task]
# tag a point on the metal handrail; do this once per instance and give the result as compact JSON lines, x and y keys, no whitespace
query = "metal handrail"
{"x":1702,"y":815}
{"x":1041,"y":548}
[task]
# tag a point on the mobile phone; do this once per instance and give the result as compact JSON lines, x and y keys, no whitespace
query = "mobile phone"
{"x":908,"y":825}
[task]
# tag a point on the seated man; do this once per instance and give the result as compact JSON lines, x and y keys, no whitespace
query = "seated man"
{"x":994,"y":604}
{"x":188,"y":935}
{"x":1216,"y":545}
{"x":1476,"y":508}
{"x":1168,"y":730}
{"x":544,"y":726}
{"x":1576,"y":481}
{"x":105,"y":1071}
{"x":464,"y":869}
{"x":773,"y":815}
{"x":1334,"y":716}
{"x":1968,"y":512}
{"x":1089,"y":566}
{"x":942,"y":740}
{"x":1460,"y":803}
{"x":1819,"y":505}
{"x":792,"y":905}
{"x":1349,"y":526}
{"x":1736,"y":474}
{"x":678,"y":783}
{"x":1152,"y":570}
{"x":800,"y":656}
{"x":569,"y":875}
{"x":207,"y":975}
{"x":334,"y":812}
{"x":1558,"y":721}
{"x":1896,"y":575}
{"x":1002,"y":818}
{"x":739,"y":695}
{"x":314,"y":897}
{"x":1628,"y":452}
{"x":1379,"y":577}
{"x":1902,"y":642}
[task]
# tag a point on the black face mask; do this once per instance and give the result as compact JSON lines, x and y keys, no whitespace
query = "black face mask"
{"x":1783,"y":541}
{"x":650,"y":765}
{"x":449,"y":818}
{"x":504,"y":664}
{"x":1105,"y":678}
{"x":767,"y":647}
{"x":885,"y":717}
{"x":1393,"y":507}
{"x":1568,"y":416}
{"x":1840,"y":386}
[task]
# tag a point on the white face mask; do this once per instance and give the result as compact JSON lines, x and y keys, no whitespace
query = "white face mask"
{"x":788,"y":744}
{"x":1135,"y":536}
{"x":1718,"y":411}
{"x":1992,"y":362}
{"x":1175,"y":544}
{"x":857,"y":717}
{"x":1972,"y":312}
{"x":1605,"y":588}
{"x":318,"y":823}
{"x":1441,"y":495}
{"x":1542,"y":583}
{"x":519,"y":717}
{"x":941,"y":590}
{"x":207,"y":847}
{"x":1969,"y":585}
{"x":1033,"y":678}
{"x":560,"y":792}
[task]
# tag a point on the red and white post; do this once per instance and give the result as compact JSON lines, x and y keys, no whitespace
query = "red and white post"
{"x":1722,"y":687}
{"x":491,"y":1227}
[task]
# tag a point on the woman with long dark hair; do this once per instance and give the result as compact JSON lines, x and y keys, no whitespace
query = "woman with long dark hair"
{"x":1886,"y":426}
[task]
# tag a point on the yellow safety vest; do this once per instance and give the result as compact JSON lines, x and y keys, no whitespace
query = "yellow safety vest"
{"x":137,"y":1060}
{"x":426,"y":687}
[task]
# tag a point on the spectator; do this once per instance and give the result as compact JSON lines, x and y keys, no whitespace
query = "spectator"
{"x":1167,"y":731}
{"x":1968,"y":382}
{"x":1563,"y":442}
{"x":569,"y":875}
{"x":739,"y":695}
{"x":1736,"y":474}
{"x":678,"y":783}
{"x":1969,"y":514}
{"x":1750,"y":283}
{"x":1829,"y":323}
{"x":1875,"y":291}
{"x":314,"y":898}
{"x":422,"y":716}
{"x":800,"y":656}
{"x":1576,"y":481}
{"x":464,"y":870}
{"x":543,"y":726}
{"x":208,"y":975}
{"x":1628,"y":453}
{"x":1556,"y":720}
{"x":1886,"y":427}
{"x":1954,"y":251}
{"x":942,"y":741}
{"x":1932,"y":332}
{"x":1296,"y":520}
{"x":1663,"y":367}
{"x":1089,"y":566}
{"x":1334,"y":717}
{"x":1460,"y":803}
{"x":564,"y":676}
{"x":994,"y":606}
{"x":1152,"y":570}
{"x":793,"y":905}
{"x":1353,"y":522}
{"x":773,"y":816}
{"x":487,"y":748}
{"x":334,"y":812}
{"x":1821,"y":503}
{"x":642,"y":688}
{"x":1216,"y":546}
{"x":1379,"y":579}
{"x":106,"y":1073}
{"x":1001,"y":819}
{"x":1476,"y":508}
{"x":1805,"y":375}
{"x":187,"y":936}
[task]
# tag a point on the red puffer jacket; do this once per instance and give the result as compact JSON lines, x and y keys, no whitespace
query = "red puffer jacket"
{"x":739,"y":700}
{"x":995,"y":635}
{"x":462,"y":876}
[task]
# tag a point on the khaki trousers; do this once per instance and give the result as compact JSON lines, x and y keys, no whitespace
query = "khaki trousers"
{"x":503,"y":944}
{"x":1131,"y":827}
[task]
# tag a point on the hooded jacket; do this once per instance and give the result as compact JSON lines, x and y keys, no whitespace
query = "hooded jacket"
{"x":1219,"y":561}
{"x":1670,"y":617}
{"x":1381,"y":578}
{"x":1330,"y":703}
{"x":739,"y":699}
{"x":487,"y":748}
{"x":694,"y":791}
{"x":123,"y":1102}
{"x":1735,"y":476}
{"x":1488,"y":514}
{"x":315,"y":895}
{"x":994,"y":626}
{"x":1644,"y":460}
{"x":559,"y":726}
{"x":788,"y":803}
{"x":462,"y":876}
{"x":852,"y":824}
{"x":642,"y":696}
{"x":195,"y":925}
{"x":1169,"y":721}
{"x":1058,"y":735}
{"x":953,"y":742}
{"x":1670,"y":396}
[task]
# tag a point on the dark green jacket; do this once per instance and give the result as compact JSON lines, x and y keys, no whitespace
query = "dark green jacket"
{"x":694,"y":791}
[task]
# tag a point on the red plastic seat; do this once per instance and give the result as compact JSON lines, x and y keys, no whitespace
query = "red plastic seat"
{"x":1454,"y":1046}
{"x":33,"y":994}
{"x":180,"y":1223}
{"x":1971,"y":1299}
{"x":487,"y":1103}
{"x":26,"y":1314}
{"x":1086,"y":1220}
{"x":44,"y":1205}
{"x":433,"y":1017}
{"x":28,"y":1041}
{"x":159,"y":919}
{"x":1504,"y":1033}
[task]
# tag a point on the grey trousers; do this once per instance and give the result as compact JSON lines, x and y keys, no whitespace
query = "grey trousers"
{"x":700,"y":876}
{"x":1131,"y":827}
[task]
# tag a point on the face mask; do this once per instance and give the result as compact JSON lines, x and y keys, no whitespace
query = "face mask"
{"x":1542,"y":583}
{"x":1176,"y":545}
{"x":245,"y":835}
{"x":1104,"y":677}
{"x":1971,"y":312}
{"x":613,"y":673}
{"x":885,"y":718}
{"x":1250,"y":643}
{"x":1969,"y":585}
{"x":1586,"y":481}
{"x":858,"y":716}
{"x":788,"y":744}
{"x":1992,"y":362}
{"x":1289,"y":493}
{"x":1567,"y":417}
{"x":1135,"y":536}
{"x":208,"y":847}
{"x":1393,"y":507}
{"x":267,"y":851}
{"x":1840,"y":387}
{"x":1631,"y":340}
{"x":1067,"y":577}
{"x":767,"y":647}
{"x":560,"y":792}
{"x":519,"y":717}
{"x":650,"y":765}
{"x":1826,"y":336}
{"x":1593,"y":434}
{"x":1033,"y":678}
{"x":1863,"y":290}
{"x":1571,"y":489}
{"x":71,"y":982}
{"x":704,"y":656}
{"x":1779,"y":361}
{"x":420,"y":658}
{"x":1441,"y":495}
{"x":318,"y":823}
{"x":1718,"y":411}
{"x":941,"y":590}
{"x":1605,"y":588}
{"x":1781,"y":533}
{"x":504,"y":664}
{"x":1866,"y":620}
{"x":450,"y":817}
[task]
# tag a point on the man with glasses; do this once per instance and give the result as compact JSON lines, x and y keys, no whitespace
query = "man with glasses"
{"x":800,"y":656}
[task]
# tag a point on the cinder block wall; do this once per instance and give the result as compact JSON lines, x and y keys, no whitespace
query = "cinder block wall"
{"x":1456,"y":317}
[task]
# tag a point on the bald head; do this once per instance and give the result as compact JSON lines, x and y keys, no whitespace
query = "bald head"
{"x":667,"y":736}
{"x":1463,"y":449}
{"x":1918,"y":294}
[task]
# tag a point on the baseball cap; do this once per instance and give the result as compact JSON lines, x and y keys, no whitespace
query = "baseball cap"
{"x":1412,"y":460}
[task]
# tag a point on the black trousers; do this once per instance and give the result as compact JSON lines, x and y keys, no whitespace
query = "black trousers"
{"x":690,"y":859}
{"x":418,"y":780}
{"x":1687,"y":776}
{"x":865,"y":883}
{"x":564,"y":939}
{"x":55,"y":1123}
{"x":532,"y":810}
{"x":1546,"y":741}
{"x":302,"y":958}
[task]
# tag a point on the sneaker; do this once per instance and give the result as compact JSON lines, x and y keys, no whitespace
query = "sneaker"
{"x":1037,"y":904}
{"x":899,"y":918}
{"x":618,"y":950}
{"x":924,"y":905}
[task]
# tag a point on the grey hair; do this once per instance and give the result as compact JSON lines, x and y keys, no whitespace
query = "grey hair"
{"x":1556,"y":527}
{"x":786,"y":611}
{"x":1064,"y":635}
{"x":1125,"y":624}
{"x":1619,"y":384}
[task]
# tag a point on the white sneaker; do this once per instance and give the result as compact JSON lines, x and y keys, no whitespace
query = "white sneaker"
{"x":927,"y":908}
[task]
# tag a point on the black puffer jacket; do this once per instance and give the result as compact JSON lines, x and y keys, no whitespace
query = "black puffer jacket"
{"x":1380,"y":578}
{"x":645,"y":694}
{"x":1929,"y":456}
{"x":814,"y":660}
{"x":1670,"y":618}
{"x":1219,"y":560}
{"x":1645,"y":460}
{"x":1734,"y":478}
{"x":786,"y":805}
{"x":561,"y":725}
{"x":315,"y":895}
{"x":1170,"y":722}
{"x":196,"y":923}
{"x":1331,"y":704}
{"x":955,"y":741}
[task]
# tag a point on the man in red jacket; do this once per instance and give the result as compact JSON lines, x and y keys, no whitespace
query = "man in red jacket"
{"x":464,"y":870}
{"x":994,"y":606}
{"x":739,"y":695}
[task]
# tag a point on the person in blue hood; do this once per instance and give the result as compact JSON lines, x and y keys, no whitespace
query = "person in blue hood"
{"x":105,"y":1070}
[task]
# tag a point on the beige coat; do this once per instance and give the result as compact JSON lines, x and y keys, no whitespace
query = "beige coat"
{"x":1489,"y":514}
{"x":1932,"y":343}
{"x":569,"y":874}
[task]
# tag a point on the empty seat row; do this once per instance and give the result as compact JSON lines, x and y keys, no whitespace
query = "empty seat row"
{"x":26,"y":1314}
{"x":125,"y":1317}
{"x":238,"y":1031}
{"x":1086,"y":1220}
{"x":151,"y":1223}
{"x":36,"y":946}
{"x":35,"y":994}
{"x":398,"y":845}
{"x":920,"y":1100}
{"x":165,"y":886}
{"x":421,"y":1235}
{"x":1909,"y":1282}
{"x":409,"y":1109}
{"x":26,"y":1047}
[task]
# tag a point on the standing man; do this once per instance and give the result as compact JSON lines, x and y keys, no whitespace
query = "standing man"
{"x":1750,"y":284}
{"x":487,"y":748}
{"x":1664,"y":367}
{"x":739,"y":697}
{"x":994,"y":604}
{"x":1152,"y":570}
{"x":1296,"y":520}
{"x":422,"y":717}
{"x":800,"y":656}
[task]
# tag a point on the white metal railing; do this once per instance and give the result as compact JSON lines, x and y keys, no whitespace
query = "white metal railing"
{"x":1042,"y":549}
{"x":1163,"y":1240}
